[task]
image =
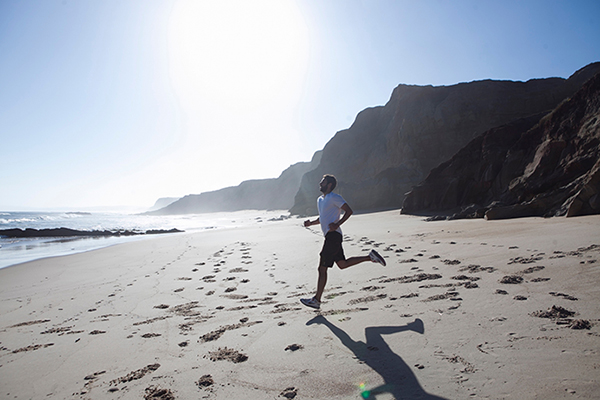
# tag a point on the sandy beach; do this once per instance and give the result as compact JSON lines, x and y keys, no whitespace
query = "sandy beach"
{"x":464,"y":309}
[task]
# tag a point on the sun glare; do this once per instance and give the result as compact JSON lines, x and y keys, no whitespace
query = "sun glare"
{"x":237,"y":51}
{"x":237,"y":70}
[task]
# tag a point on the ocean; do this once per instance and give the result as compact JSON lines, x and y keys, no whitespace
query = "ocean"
{"x":19,"y":250}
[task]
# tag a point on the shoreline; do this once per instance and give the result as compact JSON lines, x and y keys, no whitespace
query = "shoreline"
{"x":15,"y":251}
{"x":216,"y":314}
{"x":60,"y":247}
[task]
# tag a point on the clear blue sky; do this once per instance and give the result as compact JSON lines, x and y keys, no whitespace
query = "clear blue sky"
{"x":118,"y":103}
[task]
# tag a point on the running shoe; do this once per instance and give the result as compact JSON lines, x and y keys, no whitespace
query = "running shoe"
{"x":375,"y":257}
{"x":313,"y":303}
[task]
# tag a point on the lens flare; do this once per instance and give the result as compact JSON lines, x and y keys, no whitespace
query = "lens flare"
{"x":364,"y":393}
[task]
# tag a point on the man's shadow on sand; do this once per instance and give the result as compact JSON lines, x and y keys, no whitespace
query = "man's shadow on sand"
{"x":399,"y":379}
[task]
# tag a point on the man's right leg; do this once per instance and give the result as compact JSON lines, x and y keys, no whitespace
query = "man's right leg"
{"x":321,"y":282}
{"x":315,"y":302}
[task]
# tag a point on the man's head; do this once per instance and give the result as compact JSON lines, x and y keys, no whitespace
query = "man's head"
{"x":327,"y":184}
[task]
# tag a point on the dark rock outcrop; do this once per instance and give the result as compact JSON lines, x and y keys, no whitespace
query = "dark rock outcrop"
{"x":261,"y":194}
{"x":392,"y":148}
{"x":517,"y":170}
{"x":67,"y":232}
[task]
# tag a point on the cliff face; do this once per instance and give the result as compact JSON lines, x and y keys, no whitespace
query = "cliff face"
{"x":390,"y":149}
{"x":261,"y":194}
{"x":518,"y":170}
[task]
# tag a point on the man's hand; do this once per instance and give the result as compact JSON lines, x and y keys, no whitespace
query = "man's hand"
{"x":333,"y":227}
{"x":307,"y":223}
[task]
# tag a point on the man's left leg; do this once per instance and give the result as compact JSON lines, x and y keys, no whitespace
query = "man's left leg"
{"x":343,"y":264}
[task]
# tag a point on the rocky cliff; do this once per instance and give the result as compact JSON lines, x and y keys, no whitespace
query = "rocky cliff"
{"x":260,"y":194}
{"x":163,"y":202}
{"x":390,"y":149}
{"x":518,"y":170}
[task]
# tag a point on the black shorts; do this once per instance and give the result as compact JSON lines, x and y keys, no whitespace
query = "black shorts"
{"x":332,"y":250}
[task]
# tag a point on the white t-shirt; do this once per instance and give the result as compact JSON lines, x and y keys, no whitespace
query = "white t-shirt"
{"x":330,"y":210}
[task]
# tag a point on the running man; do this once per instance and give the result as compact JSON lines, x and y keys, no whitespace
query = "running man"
{"x":330,"y":207}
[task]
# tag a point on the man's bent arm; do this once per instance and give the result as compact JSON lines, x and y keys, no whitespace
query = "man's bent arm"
{"x":347,"y":213}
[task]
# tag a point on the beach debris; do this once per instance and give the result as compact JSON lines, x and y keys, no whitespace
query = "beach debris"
{"x":227,"y":354}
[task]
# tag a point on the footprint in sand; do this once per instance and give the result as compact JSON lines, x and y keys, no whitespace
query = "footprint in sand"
{"x":563,"y":295}
{"x":205,"y":381}
{"x":32,"y":347}
{"x":289,"y":393}
{"x":150,"y":335}
{"x":158,"y":393}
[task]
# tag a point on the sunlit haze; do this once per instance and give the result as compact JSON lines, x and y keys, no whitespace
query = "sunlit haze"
{"x":118,"y":103}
